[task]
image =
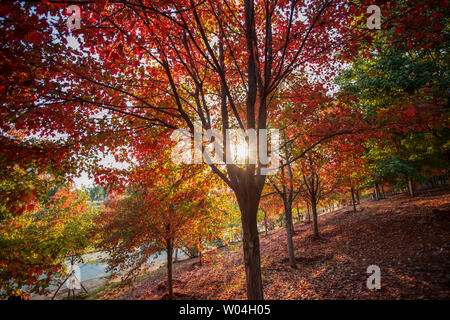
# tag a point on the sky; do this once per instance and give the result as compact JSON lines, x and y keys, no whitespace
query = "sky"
{"x":108,"y":161}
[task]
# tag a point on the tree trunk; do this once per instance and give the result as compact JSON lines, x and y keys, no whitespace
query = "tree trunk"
{"x":309,"y":214}
{"x":250,"y":245}
{"x":314,"y":212}
{"x":382,"y":191}
{"x":176,"y":255}
{"x":411,"y":187}
{"x":169,"y":248}
{"x":298,"y":215}
{"x":353,"y":198}
{"x":357,"y":196}
{"x":292,"y":221}
{"x":377,"y":191}
{"x":265,"y":221}
{"x":289,"y":234}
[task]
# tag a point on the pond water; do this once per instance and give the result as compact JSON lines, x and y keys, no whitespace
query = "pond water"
{"x":94,"y":268}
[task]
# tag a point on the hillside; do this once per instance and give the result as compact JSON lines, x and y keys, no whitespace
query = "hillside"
{"x":409,"y":239}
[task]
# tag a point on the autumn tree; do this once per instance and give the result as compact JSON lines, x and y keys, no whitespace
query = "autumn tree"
{"x":312,"y":117}
{"x":320,"y":178}
{"x":400,"y":83}
{"x":155,"y":65}
{"x":287,"y":188}
{"x":160,"y":211}
{"x":36,"y":245}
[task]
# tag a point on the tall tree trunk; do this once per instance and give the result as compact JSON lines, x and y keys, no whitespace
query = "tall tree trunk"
{"x":353,"y":198}
{"x":176,"y":255}
{"x":382,"y":191}
{"x":292,"y":221}
{"x":377,"y":191}
{"x":169,"y":248}
{"x":200,"y":251}
{"x":308,"y":212}
{"x":298,"y":215}
{"x":411,"y":187}
{"x":357,"y":196}
{"x":250,"y":243}
{"x":289,"y":234}
{"x":265,"y":221}
{"x":314,"y":212}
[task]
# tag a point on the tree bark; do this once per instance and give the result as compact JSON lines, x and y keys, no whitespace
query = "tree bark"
{"x":357,"y":196}
{"x":309,"y":214}
{"x":289,"y":234}
{"x":291,"y":221}
{"x":353,"y":198}
{"x":298,"y":215}
{"x":314,"y":212}
{"x":200,"y":257}
{"x":411,"y":187}
{"x":169,"y":248}
{"x":377,"y":191}
{"x":265,"y":221}
{"x":250,"y":243}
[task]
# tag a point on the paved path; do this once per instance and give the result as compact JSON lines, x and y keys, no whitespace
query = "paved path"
{"x":94,"y":275}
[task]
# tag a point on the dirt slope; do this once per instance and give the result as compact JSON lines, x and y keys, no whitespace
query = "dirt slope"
{"x":409,"y":239}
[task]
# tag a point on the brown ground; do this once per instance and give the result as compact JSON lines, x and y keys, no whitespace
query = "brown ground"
{"x":409,"y":239}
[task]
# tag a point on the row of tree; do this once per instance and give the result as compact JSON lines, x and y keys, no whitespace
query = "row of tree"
{"x":136,"y":70}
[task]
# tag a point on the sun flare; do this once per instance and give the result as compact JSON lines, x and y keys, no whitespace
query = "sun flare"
{"x":239,"y":152}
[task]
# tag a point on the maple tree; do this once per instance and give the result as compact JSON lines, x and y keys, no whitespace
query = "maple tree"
{"x":217,"y":63}
{"x":401,"y":90}
{"x":316,"y":187}
{"x":284,"y":189}
{"x":311,"y":117}
{"x":160,"y":210}
{"x":354,"y":175}
{"x":36,"y":244}
{"x":267,"y":215}
{"x":154,"y":66}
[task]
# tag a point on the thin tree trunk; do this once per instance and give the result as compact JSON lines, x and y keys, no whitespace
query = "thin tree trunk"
{"x":169,"y":248}
{"x":200,"y":255}
{"x":289,"y":234}
{"x":176,"y":255}
{"x":353,"y":198}
{"x":265,"y":221}
{"x":377,"y":191}
{"x":250,"y":244}
{"x":357,"y":196}
{"x":411,"y":187}
{"x":298,"y":215}
{"x":292,"y":221}
{"x":314,"y":212}
{"x":309,"y":214}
